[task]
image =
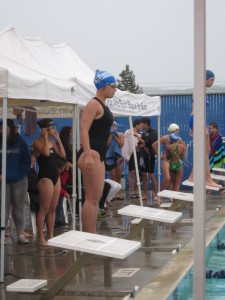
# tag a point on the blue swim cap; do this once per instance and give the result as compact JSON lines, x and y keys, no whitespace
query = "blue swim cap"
{"x":103,"y":78}
{"x":174,"y":137}
{"x":209,"y":74}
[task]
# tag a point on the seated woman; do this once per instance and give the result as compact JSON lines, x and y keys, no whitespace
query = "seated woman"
{"x":175,"y":153}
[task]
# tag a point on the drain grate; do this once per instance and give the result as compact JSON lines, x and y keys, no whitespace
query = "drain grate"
{"x":128,"y":272}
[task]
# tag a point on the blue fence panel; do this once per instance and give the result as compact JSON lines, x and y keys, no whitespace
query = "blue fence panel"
{"x":174,"y":109}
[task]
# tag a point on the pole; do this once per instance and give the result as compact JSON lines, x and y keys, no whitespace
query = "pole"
{"x":4,"y":129}
{"x":135,"y":161}
{"x":79,"y":172}
{"x":74,"y":195}
{"x":199,"y":149}
{"x":159,"y":174}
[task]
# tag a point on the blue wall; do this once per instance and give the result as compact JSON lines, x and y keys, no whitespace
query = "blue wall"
{"x":174,"y":109}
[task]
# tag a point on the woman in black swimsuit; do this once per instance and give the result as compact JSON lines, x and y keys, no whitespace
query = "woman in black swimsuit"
{"x":45,"y":150}
{"x":94,"y":132}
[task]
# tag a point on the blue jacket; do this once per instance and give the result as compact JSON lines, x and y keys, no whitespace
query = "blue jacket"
{"x":18,"y":160}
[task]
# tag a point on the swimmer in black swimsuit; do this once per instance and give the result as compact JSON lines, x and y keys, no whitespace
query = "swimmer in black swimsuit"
{"x":49,"y":184}
{"x":96,"y":122}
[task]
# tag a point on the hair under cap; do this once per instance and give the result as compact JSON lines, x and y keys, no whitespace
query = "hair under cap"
{"x":103,"y":78}
{"x":174,"y":137}
{"x":45,"y":123}
{"x":209,"y":74}
{"x":173,"y":127}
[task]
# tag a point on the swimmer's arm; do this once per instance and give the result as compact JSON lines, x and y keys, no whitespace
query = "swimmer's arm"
{"x":41,"y":148}
{"x":120,"y":139}
{"x":168,"y":152}
{"x":155,"y":144}
{"x":58,"y":146}
{"x":183,"y":152}
{"x":90,"y":112}
{"x":182,"y":143}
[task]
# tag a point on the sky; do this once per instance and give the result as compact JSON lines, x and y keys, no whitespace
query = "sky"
{"x":154,"y":37}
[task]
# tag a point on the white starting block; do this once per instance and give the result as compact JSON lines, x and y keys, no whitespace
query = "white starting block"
{"x":26,"y":285}
{"x":217,"y":177}
{"x":166,"y":205}
{"x":176,"y":195}
{"x":219,"y":169}
{"x":150,"y":213}
{"x":190,"y":183}
{"x":95,"y":244}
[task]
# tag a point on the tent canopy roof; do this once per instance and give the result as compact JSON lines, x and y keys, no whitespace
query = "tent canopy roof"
{"x":31,"y":70}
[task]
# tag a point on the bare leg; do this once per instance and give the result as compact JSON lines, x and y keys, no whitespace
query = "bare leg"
{"x":93,"y":185}
{"x":209,"y":180}
{"x":178,"y":179}
{"x":172,"y":181}
{"x":50,"y":217}
{"x":166,"y":174}
{"x":46,"y":190}
{"x":145,"y":185}
{"x":131,"y":181}
{"x":118,"y":171}
{"x":154,"y":185}
{"x":113,"y":174}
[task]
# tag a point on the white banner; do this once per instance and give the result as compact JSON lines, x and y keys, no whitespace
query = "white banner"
{"x":128,"y":104}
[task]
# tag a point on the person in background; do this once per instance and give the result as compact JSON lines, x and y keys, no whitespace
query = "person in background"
{"x":164,"y":140}
{"x":210,"y":77}
{"x":217,"y":151}
{"x":95,"y":128}
{"x":128,"y":154}
{"x":147,"y":157}
{"x":18,"y":161}
{"x":63,"y":168}
{"x":65,"y":137}
{"x":46,"y":150}
{"x":175,"y":153}
{"x":114,"y":156}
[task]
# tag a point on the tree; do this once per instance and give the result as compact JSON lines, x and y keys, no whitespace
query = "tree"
{"x":127,"y":82}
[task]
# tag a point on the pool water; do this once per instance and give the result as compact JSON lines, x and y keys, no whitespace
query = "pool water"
{"x":215,"y":261}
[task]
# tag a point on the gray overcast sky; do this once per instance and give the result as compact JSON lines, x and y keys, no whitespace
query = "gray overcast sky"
{"x":155,"y":37}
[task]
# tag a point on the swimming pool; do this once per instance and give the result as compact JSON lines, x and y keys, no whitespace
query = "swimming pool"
{"x":215,"y":288}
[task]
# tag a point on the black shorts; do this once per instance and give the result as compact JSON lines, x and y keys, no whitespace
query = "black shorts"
{"x":149,"y":165}
{"x":131,"y":164}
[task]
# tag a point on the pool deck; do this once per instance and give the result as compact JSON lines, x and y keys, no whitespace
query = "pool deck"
{"x":157,"y":271}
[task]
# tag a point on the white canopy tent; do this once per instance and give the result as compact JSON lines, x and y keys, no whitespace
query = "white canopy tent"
{"x":34,"y":73}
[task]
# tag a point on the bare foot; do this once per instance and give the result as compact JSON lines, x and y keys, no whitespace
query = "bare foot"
{"x":171,"y":200}
{"x":145,"y":197}
{"x":190,"y":179}
{"x":42,"y":243}
{"x":213,"y":184}
{"x":108,"y":202}
{"x":27,"y":235}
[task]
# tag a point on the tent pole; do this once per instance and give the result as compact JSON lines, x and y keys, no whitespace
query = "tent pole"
{"x":3,"y":191}
{"x":159,"y":174}
{"x":79,"y":172}
{"x":135,"y":161}
{"x":74,"y":195}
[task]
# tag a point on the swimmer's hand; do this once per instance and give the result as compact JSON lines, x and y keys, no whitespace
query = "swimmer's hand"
{"x":163,"y":156}
{"x":56,"y":135}
{"x":44,"y":133}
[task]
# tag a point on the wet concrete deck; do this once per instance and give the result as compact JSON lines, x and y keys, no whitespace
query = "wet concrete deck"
{"x":29,"y":261}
